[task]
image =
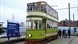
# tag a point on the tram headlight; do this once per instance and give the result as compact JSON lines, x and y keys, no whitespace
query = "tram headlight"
{"x":30,"y":35}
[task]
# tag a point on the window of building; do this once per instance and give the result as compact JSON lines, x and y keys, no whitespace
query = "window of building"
{"x":64,"y":22}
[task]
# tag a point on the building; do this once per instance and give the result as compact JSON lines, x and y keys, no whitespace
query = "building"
{"x":74,"y":24}
{"x":66,"y":23}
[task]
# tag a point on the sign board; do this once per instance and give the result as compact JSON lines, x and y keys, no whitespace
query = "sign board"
{"x":12,"y":29}
{"x":74,"y":29}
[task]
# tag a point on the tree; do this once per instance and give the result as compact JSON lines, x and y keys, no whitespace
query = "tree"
{"x":1,"y":29}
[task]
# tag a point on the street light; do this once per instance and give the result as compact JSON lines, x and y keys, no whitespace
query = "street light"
{"x":69,"y":20}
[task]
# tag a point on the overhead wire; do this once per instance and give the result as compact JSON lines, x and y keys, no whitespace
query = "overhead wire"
{"x":66,"y":8}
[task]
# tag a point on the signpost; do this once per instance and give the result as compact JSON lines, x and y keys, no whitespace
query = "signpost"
{"x":75,"y":31}
{"x":12,"y":30}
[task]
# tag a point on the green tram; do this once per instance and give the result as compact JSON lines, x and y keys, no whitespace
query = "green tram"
{"x":41,"y":21}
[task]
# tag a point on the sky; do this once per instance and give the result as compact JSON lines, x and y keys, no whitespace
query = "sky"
{"x":18,"y":9}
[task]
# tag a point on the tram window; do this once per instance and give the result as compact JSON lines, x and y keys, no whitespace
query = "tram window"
{"x":40,"y":25}
{"x":29,"y":8}
{"x":43,"y":8}
{"x":36,"y":24}
{"x":29,"y":25}
{"x":47,"y":25}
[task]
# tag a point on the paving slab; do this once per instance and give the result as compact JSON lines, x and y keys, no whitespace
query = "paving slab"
{"x":62,"y":40}
{"x":75,"y":41}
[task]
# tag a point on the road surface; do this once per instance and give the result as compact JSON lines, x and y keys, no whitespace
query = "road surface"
{"x":72,"y":40}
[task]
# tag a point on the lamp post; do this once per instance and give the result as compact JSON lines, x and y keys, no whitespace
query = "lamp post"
{"x":74,"y":26}
{"x":69,"y":20}
{"x":69,"y":15}
{"x":73,"y":17}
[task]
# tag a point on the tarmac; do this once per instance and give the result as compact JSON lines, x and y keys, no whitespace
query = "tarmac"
{"x":71,"y":40}
{"x":12,"y":40}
